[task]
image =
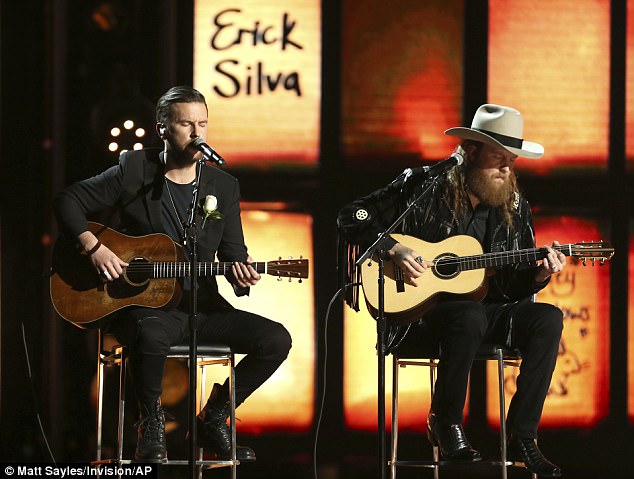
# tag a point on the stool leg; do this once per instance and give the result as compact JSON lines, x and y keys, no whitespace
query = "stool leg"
{"x":203,"y":396}
{"x":122,"y":381}
{"x":432,"y":388}
{"x":232,"y":416}
{"x":394,"y":445}
{"x":500,"y":360}
{"x":100,"y":371}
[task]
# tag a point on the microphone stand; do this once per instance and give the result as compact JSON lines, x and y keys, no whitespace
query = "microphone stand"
{"x":378,"y":247}
{"x":191,"y":233}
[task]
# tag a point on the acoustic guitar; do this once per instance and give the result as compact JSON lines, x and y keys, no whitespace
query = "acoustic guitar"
{"x":459,"y":270}
{"x":155,"y":262}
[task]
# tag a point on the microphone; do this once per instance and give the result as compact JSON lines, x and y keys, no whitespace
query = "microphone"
{"x":209,"y":154}
{"x":443,"y":166}
{"x":456,"y":159}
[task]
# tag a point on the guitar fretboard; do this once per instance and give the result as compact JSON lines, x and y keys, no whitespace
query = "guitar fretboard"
{"x":182,"y":269}
{"x":502,"y":258}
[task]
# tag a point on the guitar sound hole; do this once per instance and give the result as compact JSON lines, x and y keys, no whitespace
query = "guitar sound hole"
{"x":138,"y":272}
{"x":134,"y":281}
{"x":447,"y":266}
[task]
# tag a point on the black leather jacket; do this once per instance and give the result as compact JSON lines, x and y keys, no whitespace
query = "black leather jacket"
{"x":432,"y":220}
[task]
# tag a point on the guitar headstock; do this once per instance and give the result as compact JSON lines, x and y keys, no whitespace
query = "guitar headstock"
{"x":592,"y":251}
{"x":288,"y":268}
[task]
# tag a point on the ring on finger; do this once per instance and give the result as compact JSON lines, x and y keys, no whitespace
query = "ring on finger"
{"x":419,"y":259}
{"x":106,"y":274}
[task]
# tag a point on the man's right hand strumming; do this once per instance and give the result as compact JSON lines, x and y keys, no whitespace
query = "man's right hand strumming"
{"x":107,"y":264}
{"x":410,"y":261}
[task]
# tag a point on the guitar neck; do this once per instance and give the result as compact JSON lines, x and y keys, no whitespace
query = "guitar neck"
{"x":504,"y":258}
{"x":182,"y":269}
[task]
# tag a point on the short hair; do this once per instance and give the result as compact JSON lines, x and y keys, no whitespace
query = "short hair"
{"x":177,"y":94}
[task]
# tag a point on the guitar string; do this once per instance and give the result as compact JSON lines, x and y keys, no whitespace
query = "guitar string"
{"x":489,"y":256}
{"x":538,"y":253}
{"x":504,"y":254}
{"x":218,"y":268}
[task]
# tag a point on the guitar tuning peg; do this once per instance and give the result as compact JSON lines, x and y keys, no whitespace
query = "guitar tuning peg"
{"x":583,"y":261}
{"x":279,"y":278}
{"x":602,"y":262}
{"x":301,"y":256}
{"x":290,"y":257}
{"x":300,"y":280}
{"x":593,"y":260}
{"x":290,"y":280}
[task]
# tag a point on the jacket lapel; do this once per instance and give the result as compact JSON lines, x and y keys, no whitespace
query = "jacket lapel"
{"x":153,"y":182}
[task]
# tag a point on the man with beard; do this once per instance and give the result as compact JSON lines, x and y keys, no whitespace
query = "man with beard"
{"x":151,"y":190}
{"x":479,"y":198}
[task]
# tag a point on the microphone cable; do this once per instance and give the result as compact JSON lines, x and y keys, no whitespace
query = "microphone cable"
{"x":339,"y":293}
{"x":34,"y":394}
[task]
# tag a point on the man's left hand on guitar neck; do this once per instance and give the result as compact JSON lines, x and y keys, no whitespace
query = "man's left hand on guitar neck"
{"x":555,"y":262}
{"x":244,"y":274}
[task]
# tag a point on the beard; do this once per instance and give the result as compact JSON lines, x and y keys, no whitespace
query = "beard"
{"x":486,"y":189}
{"x":183,"y":156}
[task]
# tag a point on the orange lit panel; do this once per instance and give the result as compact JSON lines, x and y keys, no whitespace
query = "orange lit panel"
{"x":360,"y":380}
{"x":259,"y":66}
{"x":550,"y":60}
{"x":629,"y":94}
{"x":401,"y":79}
{"x":578,"y":394}
{"x":285,"y":401}
{"x":630,"y":333}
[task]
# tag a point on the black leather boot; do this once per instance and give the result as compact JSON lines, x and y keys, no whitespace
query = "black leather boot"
{"x":150,"y":446}
{"x":214,"y":435}
{"x":525,"y":450}
{"x":451,"y":440}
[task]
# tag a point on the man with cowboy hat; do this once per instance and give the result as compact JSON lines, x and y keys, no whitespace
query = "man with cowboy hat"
{"x":479,"y":198}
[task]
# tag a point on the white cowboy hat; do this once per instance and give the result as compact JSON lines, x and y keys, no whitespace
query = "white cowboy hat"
{"x":499,"y":126}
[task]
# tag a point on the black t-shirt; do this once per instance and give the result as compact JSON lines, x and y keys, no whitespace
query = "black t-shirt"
{"x":475,"y":223}
{"x":175,"y":202}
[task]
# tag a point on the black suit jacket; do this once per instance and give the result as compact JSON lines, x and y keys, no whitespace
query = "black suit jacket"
{"x":133,"y":189}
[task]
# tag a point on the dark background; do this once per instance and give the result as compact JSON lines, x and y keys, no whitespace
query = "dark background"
{"x":58,"y":71}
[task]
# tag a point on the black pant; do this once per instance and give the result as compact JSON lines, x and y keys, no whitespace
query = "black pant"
{"x":461,"y":326}
{"x":149,"y":333}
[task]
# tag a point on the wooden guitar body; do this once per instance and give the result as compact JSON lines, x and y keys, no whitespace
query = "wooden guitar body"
{"x":459,"y":271}
{"x":150,"y":280}
{"x":405,"y":303}
{"x":78,"y":292}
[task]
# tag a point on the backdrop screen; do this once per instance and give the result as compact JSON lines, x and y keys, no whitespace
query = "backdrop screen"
{"x":550,"y":62}
{"x":259,"y":66}
{"x":630,"y":332}
{"x":361,"y":380}
{"x":401,"y":80}
{"x":270,"y":233}
{"x":629,"y":104}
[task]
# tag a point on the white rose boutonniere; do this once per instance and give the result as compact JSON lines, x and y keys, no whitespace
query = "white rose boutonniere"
{"x":209,"y":207}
